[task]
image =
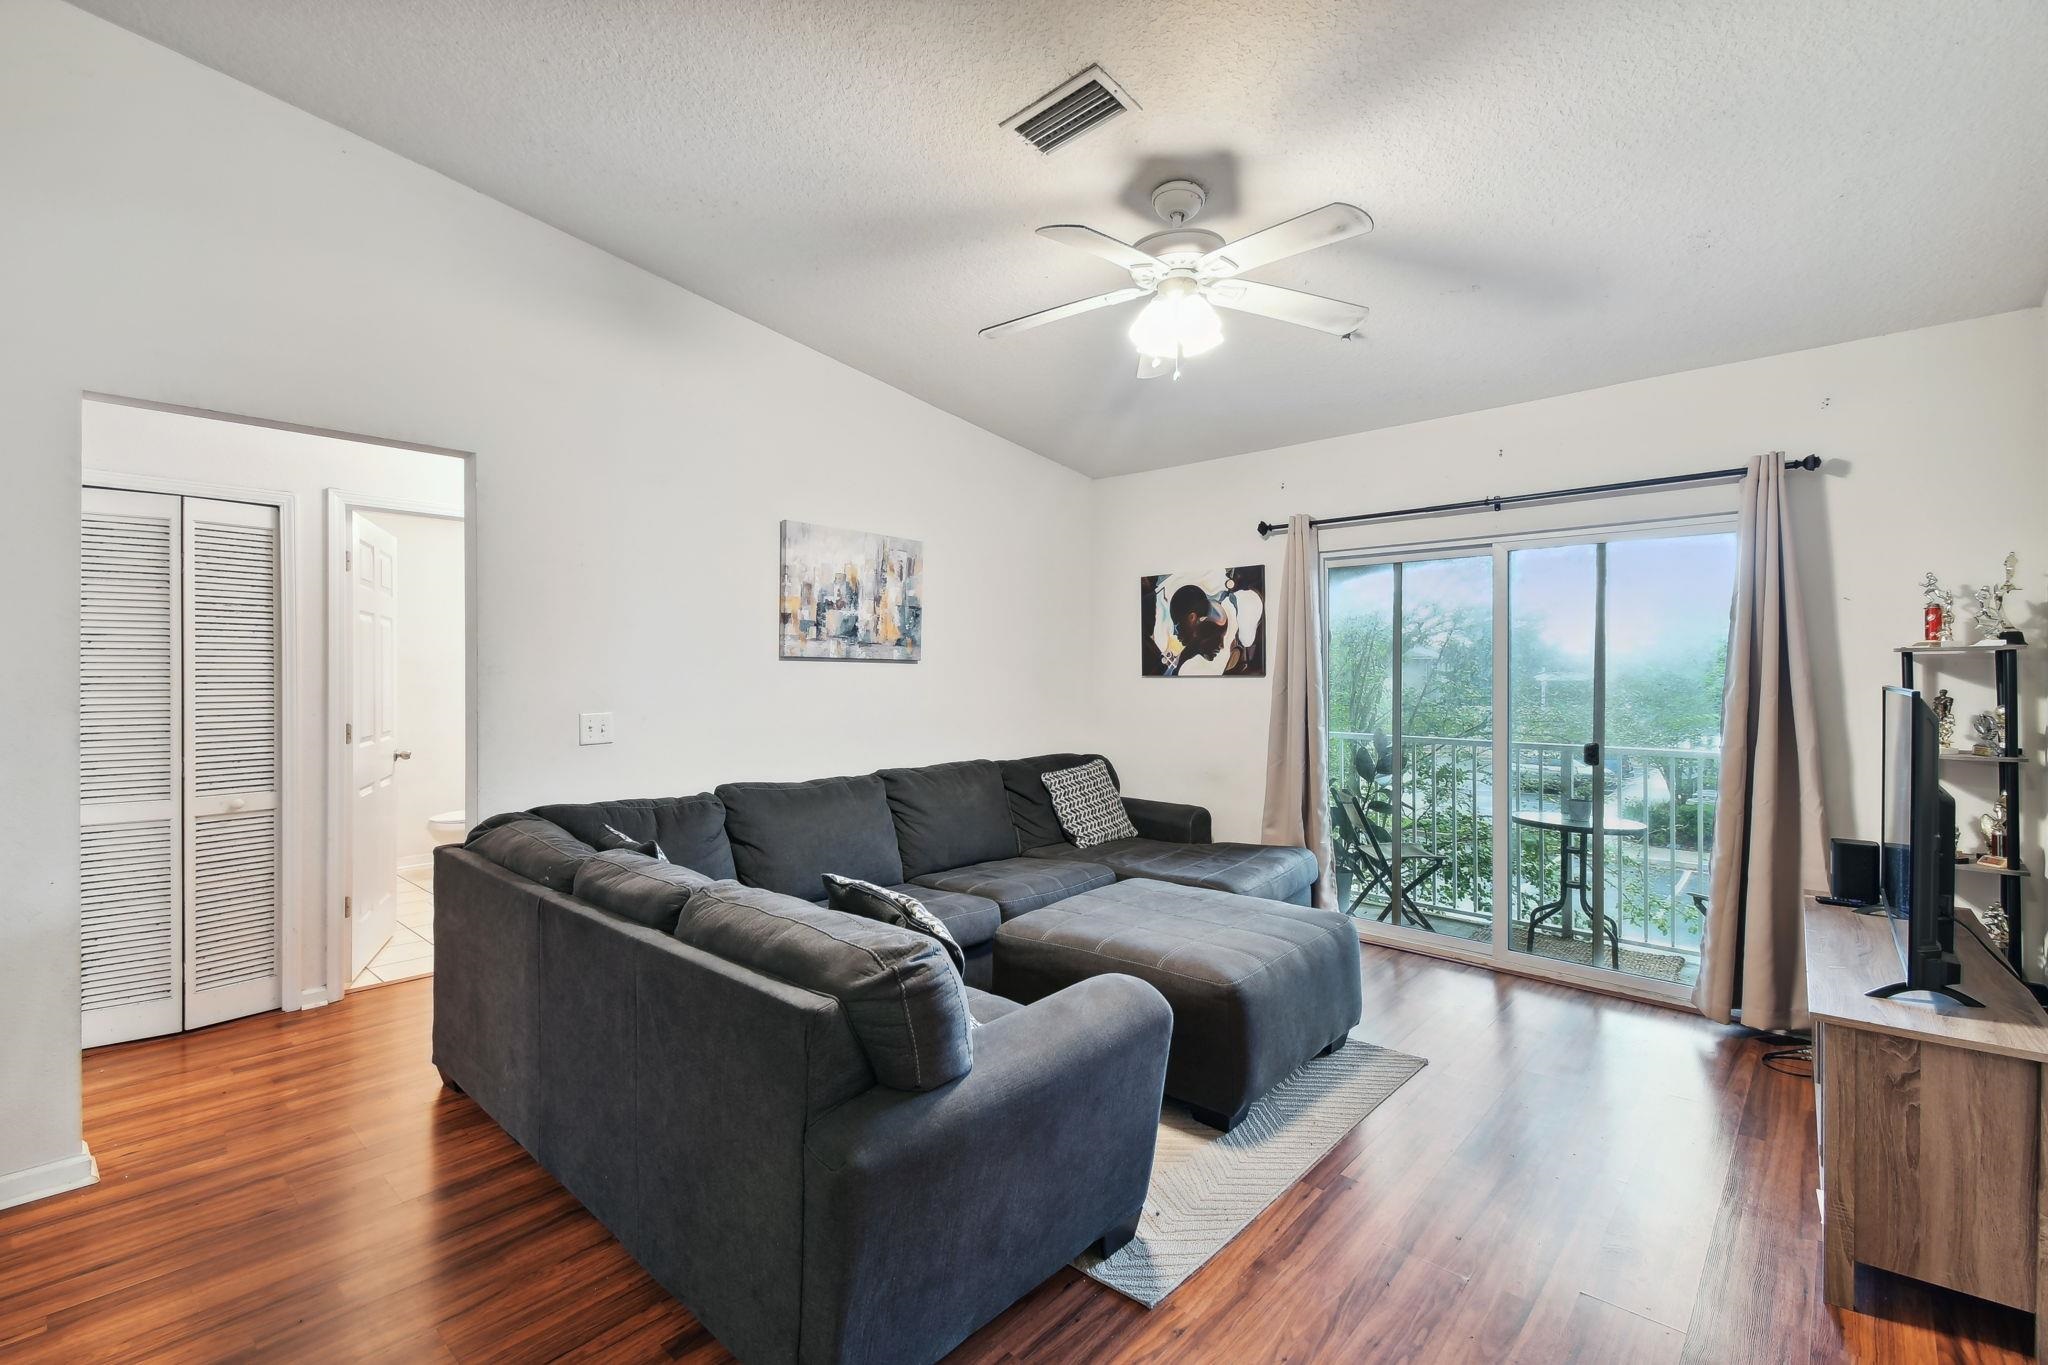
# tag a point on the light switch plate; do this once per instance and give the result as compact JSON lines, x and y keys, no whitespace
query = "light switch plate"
{"x":594,"y":727}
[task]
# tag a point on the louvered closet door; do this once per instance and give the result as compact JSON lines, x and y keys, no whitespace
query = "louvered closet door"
{"x":232,"y":741}
{"x":129,"y":735}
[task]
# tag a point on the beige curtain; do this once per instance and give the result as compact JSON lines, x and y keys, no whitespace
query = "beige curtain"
{"x":1297,"y":748}
{"x":1768,"y":834}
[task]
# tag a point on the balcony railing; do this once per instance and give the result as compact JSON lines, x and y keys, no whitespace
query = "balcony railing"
{"x":1652,"y":879}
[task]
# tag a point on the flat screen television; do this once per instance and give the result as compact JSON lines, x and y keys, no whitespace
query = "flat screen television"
{"x":1917,"y":847}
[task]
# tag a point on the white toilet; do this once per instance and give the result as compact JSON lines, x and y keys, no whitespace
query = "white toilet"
{"x":448,"y":827}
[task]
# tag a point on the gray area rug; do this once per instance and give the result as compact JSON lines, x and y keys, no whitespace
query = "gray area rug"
{"x":1208,"y":1186}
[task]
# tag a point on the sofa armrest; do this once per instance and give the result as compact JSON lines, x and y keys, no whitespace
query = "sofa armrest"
{"x":926,"y":1214}
{"x":1168,"y":821}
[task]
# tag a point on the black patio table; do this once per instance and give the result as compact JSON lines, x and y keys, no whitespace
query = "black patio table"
{"x":1574,"y":837}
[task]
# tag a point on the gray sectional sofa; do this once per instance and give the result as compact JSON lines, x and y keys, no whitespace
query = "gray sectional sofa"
{"x":799,"y":1120}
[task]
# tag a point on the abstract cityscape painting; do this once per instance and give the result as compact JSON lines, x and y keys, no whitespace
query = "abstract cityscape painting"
{"x":1206,"y":624}
{"x":850,"y":595}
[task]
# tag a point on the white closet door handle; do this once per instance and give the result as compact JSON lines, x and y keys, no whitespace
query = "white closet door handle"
{"x":237,"y":802}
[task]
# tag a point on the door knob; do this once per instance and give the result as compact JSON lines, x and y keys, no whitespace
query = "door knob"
{"x":237,"y":802}
{"x":402,"y":753}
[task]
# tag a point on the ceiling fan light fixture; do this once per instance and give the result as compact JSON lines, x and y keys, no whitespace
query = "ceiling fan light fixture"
{"x":1178,"y":322}
{"x":1189,"y":272}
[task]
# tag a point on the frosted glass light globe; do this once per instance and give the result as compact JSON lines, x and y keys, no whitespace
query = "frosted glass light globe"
{"x":1178,"y":322}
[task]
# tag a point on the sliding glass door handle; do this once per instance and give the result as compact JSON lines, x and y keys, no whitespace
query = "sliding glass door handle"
{"x":1591,"y":753}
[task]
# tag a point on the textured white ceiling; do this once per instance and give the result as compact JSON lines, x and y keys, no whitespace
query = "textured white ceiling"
{"x":1567,"y":194}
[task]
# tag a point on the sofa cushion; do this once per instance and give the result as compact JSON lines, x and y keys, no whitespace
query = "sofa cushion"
{"x":892,"y":907}
{"x":987,"y":1008}
{"x":644,"y":889}
{"x":1020,"y":885}
{"x":536,"y":849}
{"x":971,"y":920}
{"x":1086,"y":800}
{"x":1270,"y":871}
{"x":1030,"y":803}
{"x":786,"y":836}
{"x":902,"y":997}
{"x":949,"y":815}
{"x":690,"y":829}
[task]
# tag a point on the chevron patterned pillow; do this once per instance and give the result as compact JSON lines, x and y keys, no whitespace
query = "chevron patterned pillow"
{"x":1086,"y":801}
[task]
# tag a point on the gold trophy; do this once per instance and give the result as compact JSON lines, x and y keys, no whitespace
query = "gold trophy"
{"x":1945,"y":718}
{"x":1989,"y":727}
{"x":1992,"y":626}
{"x":1938,"y":617}
{"x":1992,"y":826}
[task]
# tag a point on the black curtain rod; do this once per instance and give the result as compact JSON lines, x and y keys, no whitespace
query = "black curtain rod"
{"x":1267,"y":528}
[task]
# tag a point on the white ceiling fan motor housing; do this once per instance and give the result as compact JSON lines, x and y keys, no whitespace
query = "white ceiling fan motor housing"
{"x":1178,"y":201}
{"x":1180,"y":246}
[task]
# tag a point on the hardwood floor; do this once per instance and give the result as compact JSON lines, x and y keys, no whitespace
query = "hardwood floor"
{"x":1571,"y":1178}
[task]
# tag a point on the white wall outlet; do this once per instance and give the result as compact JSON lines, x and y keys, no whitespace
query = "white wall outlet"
{"x":595,"y":727}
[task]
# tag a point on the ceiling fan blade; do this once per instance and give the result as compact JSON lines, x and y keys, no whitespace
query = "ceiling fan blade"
{"x":1065,"y":310}
{"x":1334,"y":316}
{"x":1154,"y":367}
{"x":1317,"y":227}
{"x":1099,"y":244}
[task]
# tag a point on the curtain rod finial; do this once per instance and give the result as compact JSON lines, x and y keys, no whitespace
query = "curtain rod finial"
{"x":1266,"y":528}
{"x":1809,"y":464}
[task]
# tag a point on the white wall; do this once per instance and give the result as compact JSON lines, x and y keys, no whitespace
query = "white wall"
{"x":119,"y":439}
{"x":173,"y":236}
{"x":1937,"y":450}
{"x":430,"y":671}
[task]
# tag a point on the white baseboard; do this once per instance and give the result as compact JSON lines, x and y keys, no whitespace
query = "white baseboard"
{"x":52,"y":1177}
{"x":313,"y":997}
{"x":421,"y":863}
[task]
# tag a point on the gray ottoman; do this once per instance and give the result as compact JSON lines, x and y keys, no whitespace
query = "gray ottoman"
{"x":1257,"y":987}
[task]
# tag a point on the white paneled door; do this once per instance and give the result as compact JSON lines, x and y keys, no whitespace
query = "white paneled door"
{"x":178,"y":763}
{"x":373,"y":746}
{"x":231,"y":763}
{"x":130,"y":728}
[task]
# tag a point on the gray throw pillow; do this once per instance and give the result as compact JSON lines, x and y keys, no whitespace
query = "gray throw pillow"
{"x":532,"y":847}
{"x":614,"y":837}
{"x":645,"y":890}
{"x":891,"y":907}
{"x":904,"y":1002}
{"x":1087,"y":803}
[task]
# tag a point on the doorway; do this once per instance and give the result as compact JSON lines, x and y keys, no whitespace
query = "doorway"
{"x":400,"y":588}
{"x":211,"y":457}
{"x":180,"y":703}
{"x":1525,"y":747}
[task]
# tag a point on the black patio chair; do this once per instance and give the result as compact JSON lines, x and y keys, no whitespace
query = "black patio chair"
{"x":1371,"y":840}
{"x":1356,"y":873}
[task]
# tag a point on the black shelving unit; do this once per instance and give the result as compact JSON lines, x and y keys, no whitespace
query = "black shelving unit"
{"x":2005,"y":665}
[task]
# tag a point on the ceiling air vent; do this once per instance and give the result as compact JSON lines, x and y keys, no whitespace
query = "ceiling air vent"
{"x":1089,"y":100}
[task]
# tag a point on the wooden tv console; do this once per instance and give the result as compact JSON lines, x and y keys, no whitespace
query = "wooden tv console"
{"x":1931,"y":1120}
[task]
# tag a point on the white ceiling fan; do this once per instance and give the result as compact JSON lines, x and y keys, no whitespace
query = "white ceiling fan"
{"x":1186,"y":270}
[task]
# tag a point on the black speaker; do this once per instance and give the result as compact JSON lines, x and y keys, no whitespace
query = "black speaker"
{"x":1852,"y":871}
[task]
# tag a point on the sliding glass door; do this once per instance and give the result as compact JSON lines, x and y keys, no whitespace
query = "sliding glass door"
{"x":1557,"y":790}
{"x":1524,"y":747}
{"x":1411,"y":710}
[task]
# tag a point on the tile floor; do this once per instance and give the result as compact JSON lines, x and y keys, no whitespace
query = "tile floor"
{"x":410,"y":952}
